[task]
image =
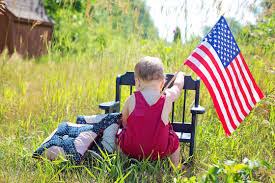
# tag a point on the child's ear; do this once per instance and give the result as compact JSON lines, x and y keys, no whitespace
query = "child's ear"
{"x":137,"y":83}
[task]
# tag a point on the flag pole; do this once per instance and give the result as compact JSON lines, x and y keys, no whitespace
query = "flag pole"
{"x":174,"y":77}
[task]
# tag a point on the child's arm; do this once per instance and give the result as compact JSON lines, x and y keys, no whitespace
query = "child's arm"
{"x":127,"y":109}
{"x":172,"y":94}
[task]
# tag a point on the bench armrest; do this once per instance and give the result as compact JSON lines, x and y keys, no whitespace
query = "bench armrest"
{"x":197,"y":110}
{"x":110,"y":107}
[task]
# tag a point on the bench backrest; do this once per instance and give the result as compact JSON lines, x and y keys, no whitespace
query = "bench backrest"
{"x":189,"y":84}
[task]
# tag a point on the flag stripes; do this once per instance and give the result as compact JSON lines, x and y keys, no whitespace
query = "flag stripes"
{"x":233,"y":89}
{"x":221,"y":73}
{"x":194,"y":65}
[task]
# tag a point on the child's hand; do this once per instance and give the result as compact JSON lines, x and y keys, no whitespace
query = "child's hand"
{"x":173,"y":93}
{"x":179,"y":81}
{"x":181,"y":74}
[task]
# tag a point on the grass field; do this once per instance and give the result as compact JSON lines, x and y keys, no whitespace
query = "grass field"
{"x":36,"y":95}
{"x":79,"y":72}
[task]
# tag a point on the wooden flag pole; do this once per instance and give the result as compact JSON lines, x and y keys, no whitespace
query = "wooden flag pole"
{"x":174,"y":77}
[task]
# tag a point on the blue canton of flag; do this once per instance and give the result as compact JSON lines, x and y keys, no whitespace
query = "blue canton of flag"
{"x":223,"y":42}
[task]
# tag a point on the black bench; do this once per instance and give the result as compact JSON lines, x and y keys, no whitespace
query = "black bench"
{"x":185,"y":131}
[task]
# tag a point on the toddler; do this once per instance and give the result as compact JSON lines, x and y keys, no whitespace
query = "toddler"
{"x":147,"y":131}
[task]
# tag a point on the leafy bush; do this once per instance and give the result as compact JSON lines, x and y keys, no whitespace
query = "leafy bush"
{"x":233,"y":171}
{"x":87,"y":25}
{"x":230,"y":171}
{"x":261,"y":34}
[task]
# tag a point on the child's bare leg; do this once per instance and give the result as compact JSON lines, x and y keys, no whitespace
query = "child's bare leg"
{"x":175,"y":157}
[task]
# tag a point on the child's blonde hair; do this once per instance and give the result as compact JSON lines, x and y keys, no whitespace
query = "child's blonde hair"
{"x":150,"y":68}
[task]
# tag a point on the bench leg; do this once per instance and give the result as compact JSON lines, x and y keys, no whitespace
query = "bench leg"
{"x":191,"y":152}
{"x":193,"y":136}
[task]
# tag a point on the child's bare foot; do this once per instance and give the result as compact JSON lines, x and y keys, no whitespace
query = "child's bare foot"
{"x":183,"y":167}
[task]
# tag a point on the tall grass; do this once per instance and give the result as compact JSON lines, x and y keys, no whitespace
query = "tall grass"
{"x":36,"y":97}
{"x":37,"y":94}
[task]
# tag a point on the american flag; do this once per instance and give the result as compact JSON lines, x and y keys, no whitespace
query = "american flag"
{"x":219,"y":63}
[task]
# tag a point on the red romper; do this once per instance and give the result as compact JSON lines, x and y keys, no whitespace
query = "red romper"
{"x":146,"y":134}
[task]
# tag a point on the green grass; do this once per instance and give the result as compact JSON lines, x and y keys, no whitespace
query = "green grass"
{"x":36,"y":96}
{"x":79,"y":72}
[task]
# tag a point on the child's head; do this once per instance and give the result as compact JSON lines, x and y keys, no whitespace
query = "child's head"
{"x":150,"y":69}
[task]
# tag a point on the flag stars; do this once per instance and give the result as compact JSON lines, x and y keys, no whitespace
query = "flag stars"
{"x":221,"y":39}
